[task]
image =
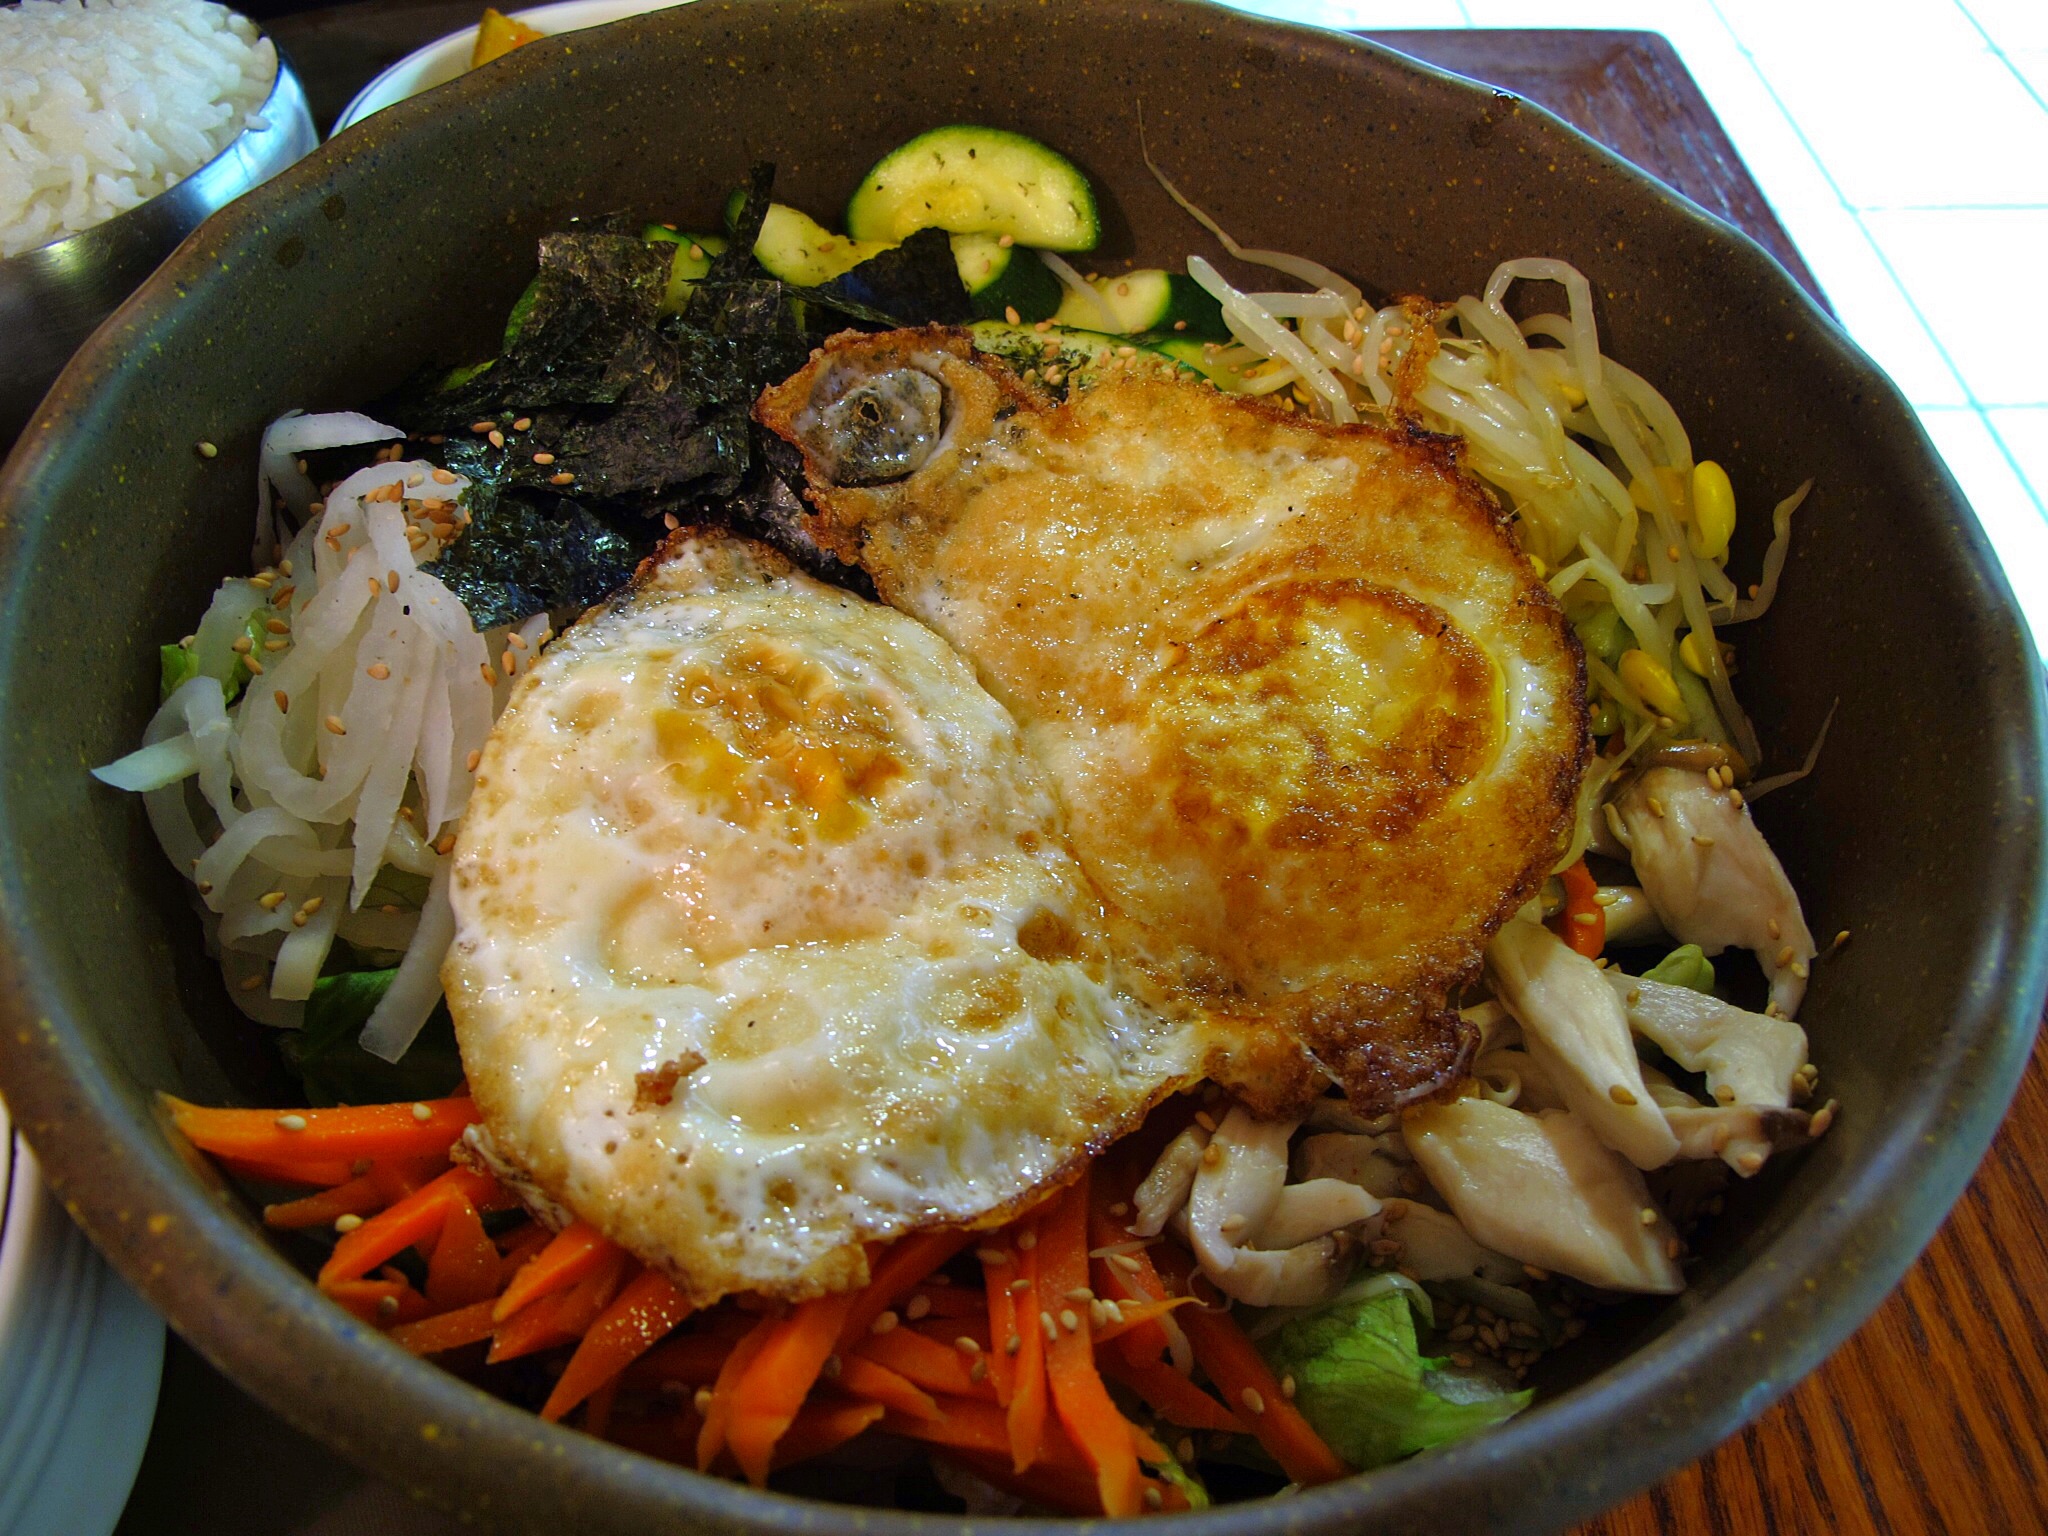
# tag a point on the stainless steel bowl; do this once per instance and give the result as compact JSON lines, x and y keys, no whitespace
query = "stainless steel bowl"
{"x":55,"y":296}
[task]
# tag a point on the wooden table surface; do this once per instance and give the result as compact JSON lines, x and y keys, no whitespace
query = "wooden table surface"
{"x":1930,"y":1419}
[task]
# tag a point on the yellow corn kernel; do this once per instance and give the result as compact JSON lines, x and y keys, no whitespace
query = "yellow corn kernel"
{"x":1713,"y":510}
{"x":1536,"y":564}
{"x":1674,"y":490}
{"x":1653,"y":685}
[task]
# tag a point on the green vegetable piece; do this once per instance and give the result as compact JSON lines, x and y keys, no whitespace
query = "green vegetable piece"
{"x":335,"y":1069}
{"x":177,"y":666}
{"x":798,"y":249}
{"x":689,"y":265}
{"x":1000,"y":278}
{"x":1148,"y":302}
{"x":1685,"y":966}
{"x":1603,"y":634}
{"x":522,"y":306}
{"x":1365,"y":1385}
{"x":976,"y":181}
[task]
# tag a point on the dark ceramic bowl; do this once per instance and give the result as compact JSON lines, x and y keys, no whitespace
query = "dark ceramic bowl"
{"x":408,"y":237}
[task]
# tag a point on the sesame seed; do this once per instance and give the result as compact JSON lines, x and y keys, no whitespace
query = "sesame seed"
{"x":543,"y":458}
{"x":1701,"y":840}
{"x":242,"y":646}
{"x":1080,"y":1293}
{"x":1252,"y":1400}
{"x":1822,"y":1119}
{"x":1287,"y":1387}
{"x":1723,"y":1094}
{"x":313,"y":904}
{"x":291,"y":1122}
{"x":508,"y":661}
{"x":702,"y":1401}
{"x":1126,"y":1263}
{"x":1052,"y":1331}
{"x":1006,"y":241}
{"x":1012,"y":1344}
{"x":378,"y":670}
{"x":391,"y":580}
{"x":919,"y":1307}
{"x":1735,"y":798}
{"x":251,"y":983}
{"x":1621,"y":1095}
{"x":1773,"y":928}
{"x":497,"y":439}
{"x":992,"y":1255}
{"x":283,"y":701}
{"x":966,"y":1345}
{"x":489,"y":673}
{"x":1232,"y":1224}
{"x":1205,"y":1120}
{"x":1027,"y":1239}
{"x":1069,"y":1319}
{"x":516,"y":640}
{"x":883,"y":1324}
{"x":1019,"y":1287}
{"x":270,"y":901}
{"x":1212,"y":1155}
{"x":978,"y":1372}
{"x":444,"y":477}
{"x":562,"y":478}
{"x":207,"y":450}
{"x":472,"y":760}
{"x":1154,"y":1499}
{"x":1010,"y":314}
{"x":1185,"y":1450}
{"x":375,"y":585}
{"x":422,"y":1113}
{"x":1798,"y":969}
{"x":522,"y":424}
{"x":387,"y":1306}
{"x":1115,"y":1309}
{"x":277,"y":645}
{"x":347,"y":1222}
{"x":1587,"y":918}
{"x":333,"y":723}
{"x":445,"y":844}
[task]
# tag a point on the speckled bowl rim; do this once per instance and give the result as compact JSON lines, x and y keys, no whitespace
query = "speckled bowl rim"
{"x":210,"y":1270}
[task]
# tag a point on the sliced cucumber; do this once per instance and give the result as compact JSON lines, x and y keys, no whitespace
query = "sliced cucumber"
{"x":1200,"y":358}
{"x":692,"y":260}
{"x":1000,"y":278}
{"x":977,"y":181}
{"x":1148,"y":301}
{"x":1063,"y":357}
{"x":798,"y":249}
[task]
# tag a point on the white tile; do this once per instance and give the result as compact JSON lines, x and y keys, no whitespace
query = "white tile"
{"x":1873,"y":308}
{"x":2032,"y":63}
{"x":2011,"y":24}
{"x":1899,"y":126}
{"x":2017,"y":530}
{"x":1840,"y":29}
{"x":1357,"y":15}
{"x":1972,"y":273}
{"x":2024,"y":430}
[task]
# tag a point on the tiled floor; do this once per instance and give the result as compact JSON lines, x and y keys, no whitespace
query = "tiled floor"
{"x":1904,"y":143}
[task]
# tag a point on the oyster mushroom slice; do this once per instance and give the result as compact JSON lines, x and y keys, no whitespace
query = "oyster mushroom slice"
{"x":1742,"y":1135}
{"x":1315,"y":1208}
{"x":1165,"y":1189}
{"x":1370,"y":1162}
{"x":1434,"y":1246}
{"x":1543,"y":1189}
{"x":1746,"y":1058}
{"x":1237,"y":1190}
{"x":1713,"y":879}
{"x":1577,"y":1031}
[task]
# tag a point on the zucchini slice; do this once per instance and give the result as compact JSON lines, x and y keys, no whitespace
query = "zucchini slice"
{"x":796,"y":248}
{"x":1062,"y":357}
{"x":1000,"y":278}
{"x":977,"y":181}
{"x":692,"y":260}
{"x":1149,"y":301}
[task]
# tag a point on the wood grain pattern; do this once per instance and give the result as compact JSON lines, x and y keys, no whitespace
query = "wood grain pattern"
{"x":1931,"y":1419}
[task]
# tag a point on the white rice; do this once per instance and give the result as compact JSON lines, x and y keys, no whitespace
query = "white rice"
{"x":103,"y":106}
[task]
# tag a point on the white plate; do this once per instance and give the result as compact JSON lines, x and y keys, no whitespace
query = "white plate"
{"x":80,"y":1360}
{"x":439,"y":62}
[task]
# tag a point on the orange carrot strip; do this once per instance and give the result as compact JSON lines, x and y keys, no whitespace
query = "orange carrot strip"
{"x":362,"y":1196}
{"x":1028,"y":1391}
{"x":862,"y":1377}
{"x":1583,"y":920}
{"x":1137,"y":1315}
{"x":324,"y":1172}
{"x":1000,"y":1305}
{"x":774,"y":1387}
{"x":1170,"y":1394}
{"x":934,"y":1366}
{"x":448,"y":1330}
{"x":597,"y":1411}
{"x":1139,"y":1283}
{"x":1247,"y":1382}
{"x":694,"y":1359}
{"x":367,"y":1298}
{"x":465,"y":1265}
{"x":950,"y":1330}
{"x":948,"y":1300}
{"x":978,"y":1425}
{"x":561,"y":1318}
{"x":522,"y":1244}
{"x":905,"y":1263}
{"x":1078,"y":1395}
{"x":643,"y":1313}
{"x":412,"y":1221}
{"x":711,"y":1438}
{"x":573,"y":1253}
{"x":821,"y":1427}
{"x":286,"y":1137}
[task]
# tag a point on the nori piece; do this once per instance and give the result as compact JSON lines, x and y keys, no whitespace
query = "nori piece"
{"x":918,"y":282}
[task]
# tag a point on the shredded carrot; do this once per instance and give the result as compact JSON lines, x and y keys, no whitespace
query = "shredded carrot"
{"x":465,"y":1266}
{"x":975,"y":1424}
{"x":283,"y":1138}
{"x":561,"y":1318}
{"x":711,"y":1438}
{"x":693,"y":1359}
{"x":445,"y":1331}
{"x":1171,"y":1395}
{"x":766,"y":1399}
{"x":892,"y":1276}
{"x":864,"y":1378}
{"x":999,"y":1268}
{"x":643,"y":1313}
{"x":934,"y":1366}
{"x":1029,"y":1390}
{"x":383,"y":1303}
{"x":1078,"y":1395}
{"x":521,"y":1246}
{"x":1247,"y":1382}
{"x":1137,"y":1315}
{"x":949,"y":1331}
{"x":412,"y":1221}
{"x":821,"y":1427}
{"x":1584,"y":920}
{"x":946,"y":1301}
{"x":573,"y":1253}
{"x":323,"y":1172}
{"x":1134,"y":1280}
{"x":362,"y":1196}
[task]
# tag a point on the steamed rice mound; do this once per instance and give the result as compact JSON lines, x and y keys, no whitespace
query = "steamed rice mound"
{"x":103,"y":106}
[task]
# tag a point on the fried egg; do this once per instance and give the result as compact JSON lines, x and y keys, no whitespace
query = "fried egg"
{"x":1316,"y":725}
{"x":769,"y":942}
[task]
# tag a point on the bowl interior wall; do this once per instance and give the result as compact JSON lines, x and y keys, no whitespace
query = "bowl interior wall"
{"x":406,"y":240}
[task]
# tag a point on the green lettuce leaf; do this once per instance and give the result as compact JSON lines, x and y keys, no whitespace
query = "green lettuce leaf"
{"x":178,"y":666}
{"x":1685,"y":966}
{"x":1363,"y":1382}
{"x":334,"y":1069}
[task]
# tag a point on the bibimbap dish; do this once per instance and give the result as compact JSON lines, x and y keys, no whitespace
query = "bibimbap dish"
{"x":894,"y":866}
